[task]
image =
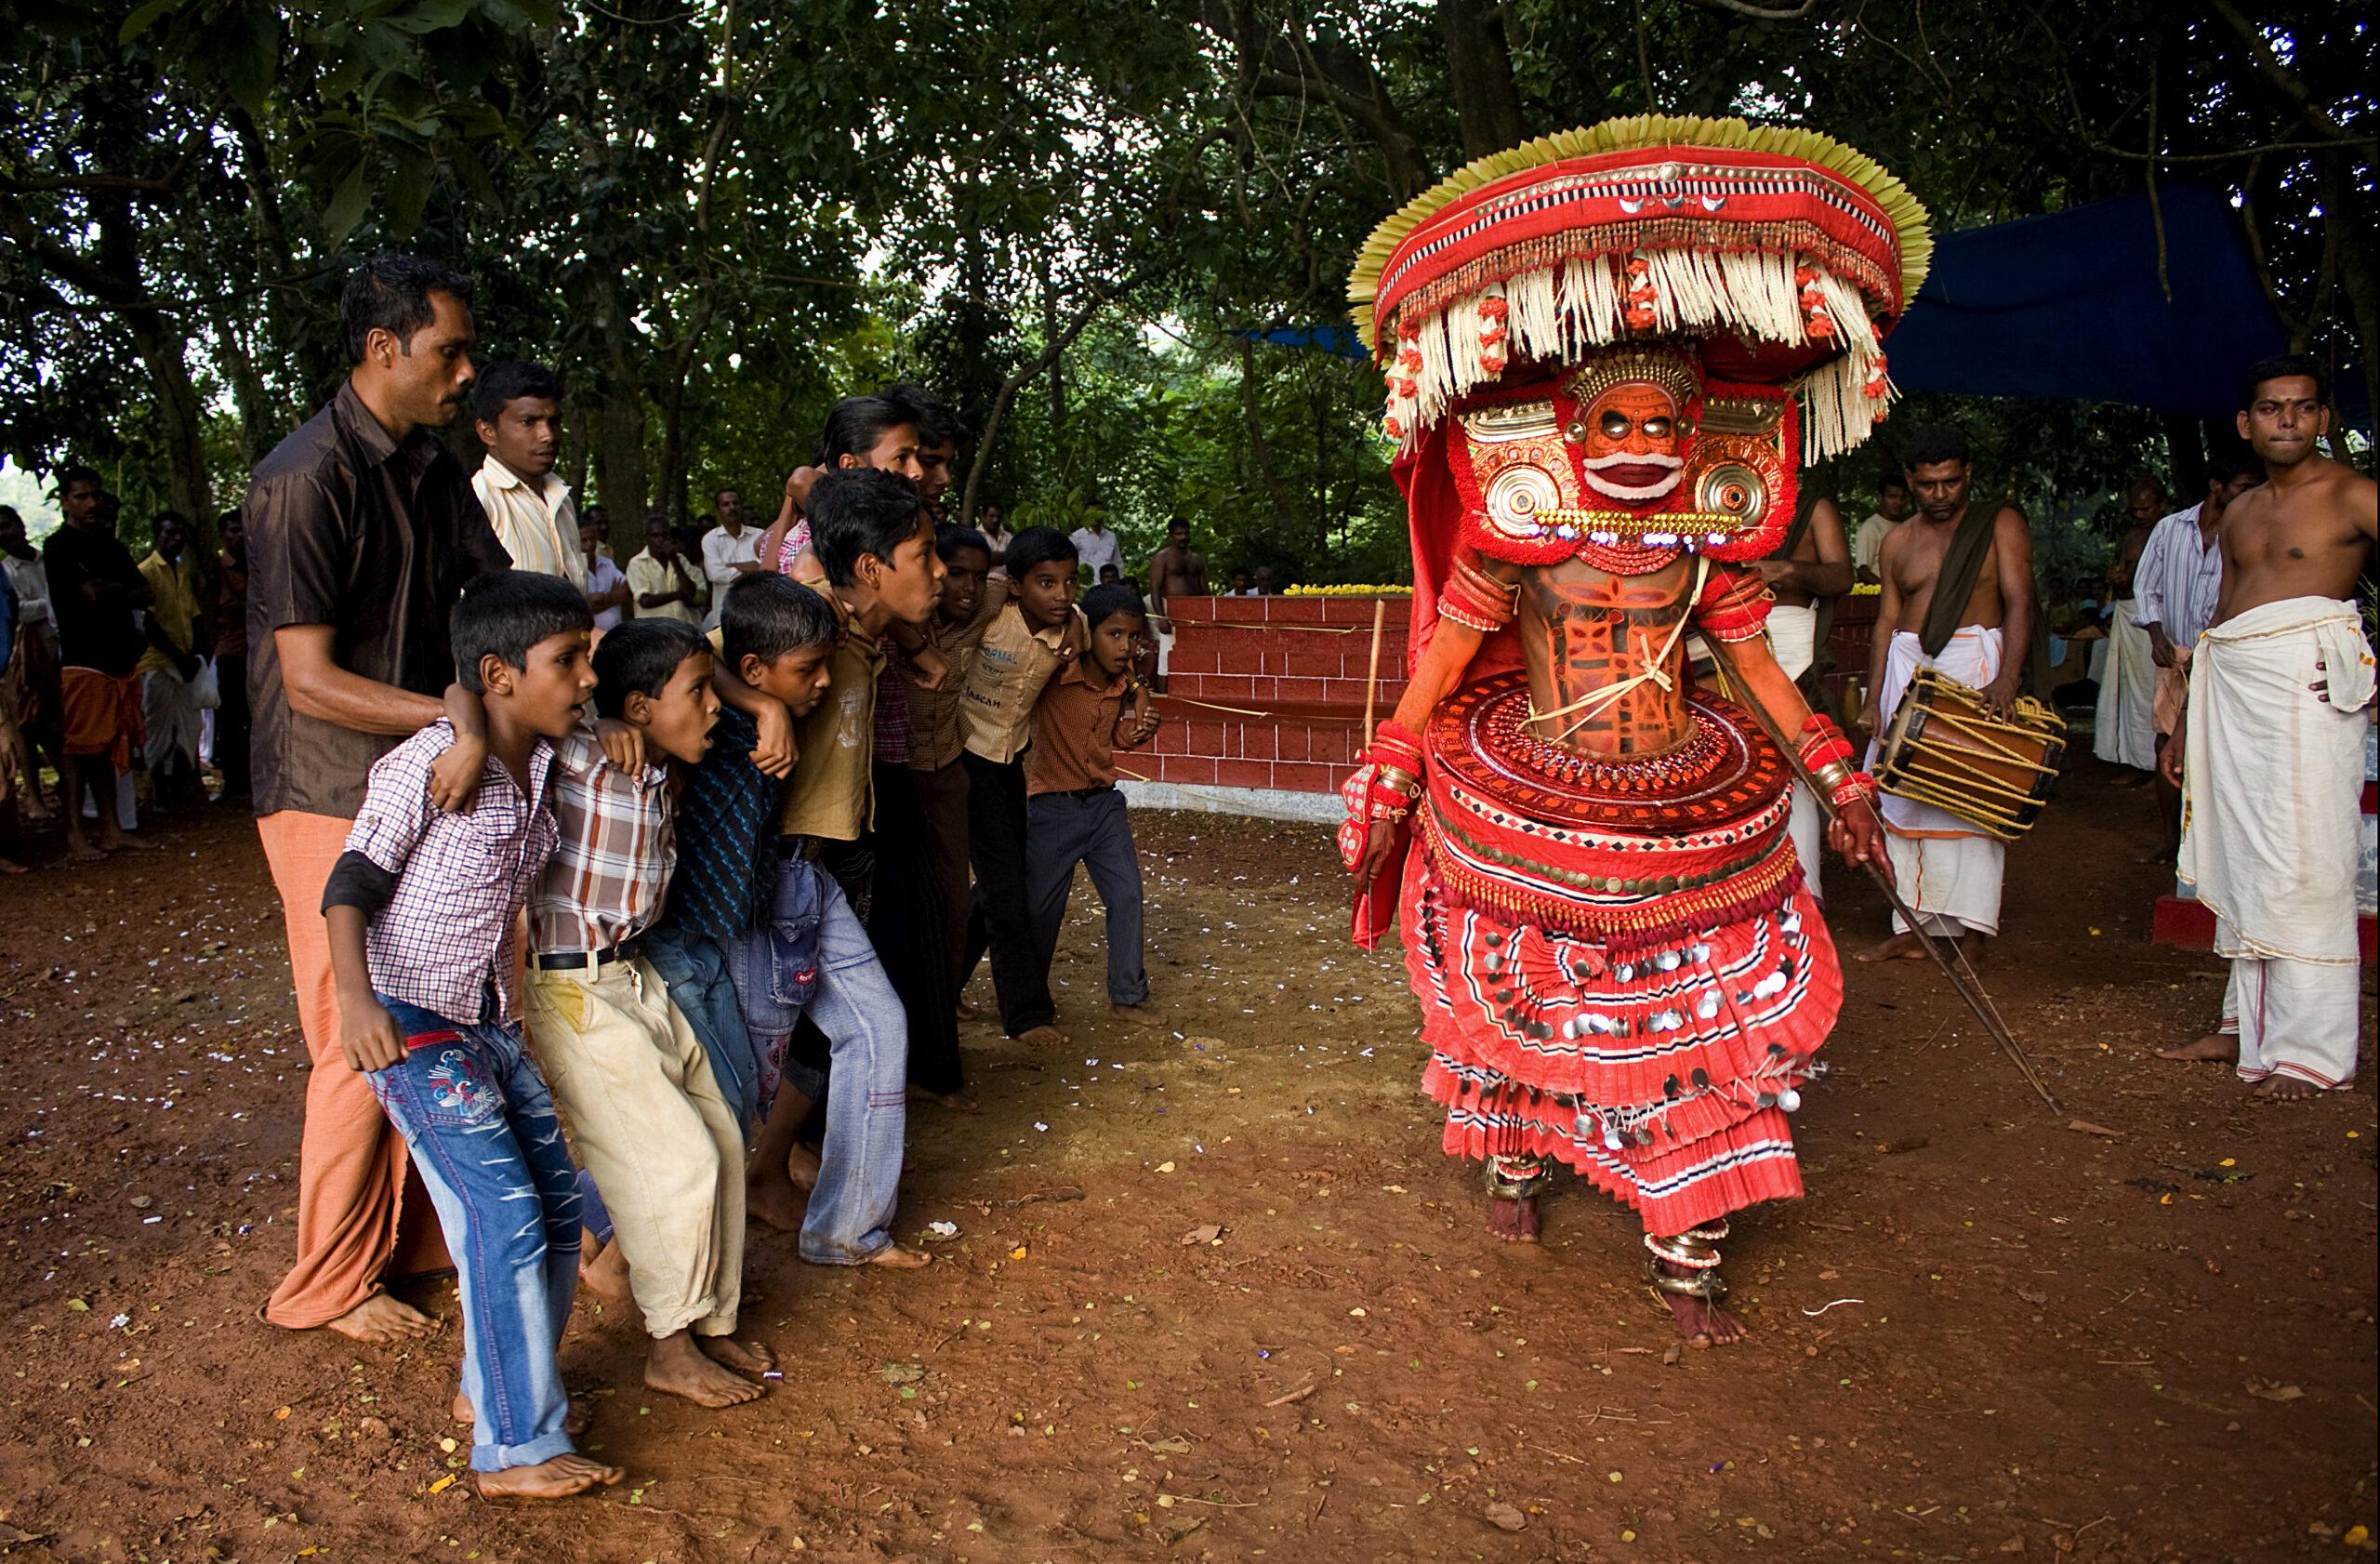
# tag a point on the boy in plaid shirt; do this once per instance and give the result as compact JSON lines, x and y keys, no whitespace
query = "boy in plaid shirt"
{"x":648,"y":1117}
{"x":421,"y":909}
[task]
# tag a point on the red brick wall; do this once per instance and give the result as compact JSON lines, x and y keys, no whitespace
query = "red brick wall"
{"x":1299,"y":663}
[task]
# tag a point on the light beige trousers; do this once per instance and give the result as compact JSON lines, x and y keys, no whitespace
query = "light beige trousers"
{"x":647,"y":1121}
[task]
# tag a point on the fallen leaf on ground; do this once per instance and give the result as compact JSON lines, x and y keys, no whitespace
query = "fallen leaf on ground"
{"x":1206,"y":1232}
{"x":2266,"y":1391}
{"x":1504,"y":1517}
{"x":899,"y":1373}
{"x":2086,"y":1127}
{"x":2033,"y":1296}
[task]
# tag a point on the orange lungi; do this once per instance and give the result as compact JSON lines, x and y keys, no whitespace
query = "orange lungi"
{"x":352,"y":1165}
{"x":103,"y":716}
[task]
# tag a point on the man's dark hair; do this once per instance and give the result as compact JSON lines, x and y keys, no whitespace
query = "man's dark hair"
{"x":514,"y":378}
{"x":69,"y":476}
{"x":766,"y":616}
{"x":1036,"y":546}
{"x":1936,"y":442}
{"x":858,"y":511}
{"x":1178,"y":524}
{"x":172,"y":518}
{"x":505,"y":613}
{"x":656,"y":519}
{"x":2282,"y":367}
{"x":1104,"y":602}
{"x":938,"y":422}
{"x":640,"y":657}
{"x":950,"y":539}
{"x":856,"y":423}
{"x":390,"y":292}
{"x":2232,"y":459}
{"x":1891,"y":480}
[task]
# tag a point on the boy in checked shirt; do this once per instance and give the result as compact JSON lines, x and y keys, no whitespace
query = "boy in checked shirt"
{"x":646,"y":1113}
{"x":421,"y":909}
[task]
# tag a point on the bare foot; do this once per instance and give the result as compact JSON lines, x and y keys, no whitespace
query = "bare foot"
{"x":773,"y":1197}
{"x":557,"y":1478}
{"x":1703,"y":1324}
{"x":678,"y":1367}
{"x":603,"y":1269}
{"x":801,"y":1166}
{"x":966,"y":1013}
{"x":1042,"y":1037}
{"x":79,"y":851}
{"x":382,"y":1319}
{"x":574,"y":1422}
{"x":10,"y":866}
{"x":2286,"y":1089}
{"x":745,"y":1357}
{"x":897,"y":1258}
{"x":959,"y":1102}
{"x":123,"y":844}
{"x":2223,"y":1048}
{"x":1515,"y":1221}
{"x":1900,"y":948}
{"x":1137,"y":1014}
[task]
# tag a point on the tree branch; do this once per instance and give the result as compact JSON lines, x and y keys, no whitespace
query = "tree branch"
{"x":1761,"y":13}
{"x":2279,"y":75}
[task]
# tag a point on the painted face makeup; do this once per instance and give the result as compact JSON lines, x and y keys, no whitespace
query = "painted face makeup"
{"x":1631,"y":444}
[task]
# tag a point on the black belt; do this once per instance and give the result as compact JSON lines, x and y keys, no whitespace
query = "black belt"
{"x":574,"y":961}
{"x":1091,"y":791}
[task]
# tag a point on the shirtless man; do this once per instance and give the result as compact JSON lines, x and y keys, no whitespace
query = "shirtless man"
{"x":1951,"y":867}
{"x":2270,"y":746}
{"x":1176,"y":570}
{"x":1813,"y":562}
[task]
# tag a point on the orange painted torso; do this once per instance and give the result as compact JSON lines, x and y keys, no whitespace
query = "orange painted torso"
{"x":1584,"y":629}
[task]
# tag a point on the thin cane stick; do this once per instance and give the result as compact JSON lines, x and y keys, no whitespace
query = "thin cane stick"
{"x":1372,"y":678}
{"x":1962,"y":976}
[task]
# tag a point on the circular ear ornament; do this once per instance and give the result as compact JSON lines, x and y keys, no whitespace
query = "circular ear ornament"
{"x":1731,"y":488}
{"x":1518,"y":500}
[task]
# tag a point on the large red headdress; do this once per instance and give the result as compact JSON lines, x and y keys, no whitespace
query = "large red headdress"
{"x":1624,"y":340}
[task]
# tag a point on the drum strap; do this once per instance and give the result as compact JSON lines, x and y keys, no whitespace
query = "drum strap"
{"x":1962,"y":568}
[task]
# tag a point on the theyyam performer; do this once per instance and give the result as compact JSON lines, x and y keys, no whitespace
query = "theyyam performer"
{"x":1607,"y":352}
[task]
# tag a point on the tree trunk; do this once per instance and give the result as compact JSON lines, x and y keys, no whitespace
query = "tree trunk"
{"x":160,"y":344}
{"x":1479,"y":72}
{"x":1101,"y":296}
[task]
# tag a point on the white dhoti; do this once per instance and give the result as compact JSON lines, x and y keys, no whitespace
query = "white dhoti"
{"x":2124,"y":732}
{"x":1792,"y":641}
{"x":169,"y":712}
{"x":1948,"y":869}
{"x":2272,"y":789}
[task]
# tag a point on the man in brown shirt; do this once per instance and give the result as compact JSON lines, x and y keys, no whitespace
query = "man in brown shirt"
{"x":1090,"y":708}
{"x":360,"y":534}
{"x":938,"y":736}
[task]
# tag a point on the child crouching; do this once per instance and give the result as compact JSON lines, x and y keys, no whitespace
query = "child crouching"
{"x":421,"y":909}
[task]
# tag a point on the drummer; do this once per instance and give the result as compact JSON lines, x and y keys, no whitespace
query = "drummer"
{"x":1958,"y":596}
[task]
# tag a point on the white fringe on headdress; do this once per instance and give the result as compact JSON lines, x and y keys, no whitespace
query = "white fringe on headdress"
{"x":1567,"y":313}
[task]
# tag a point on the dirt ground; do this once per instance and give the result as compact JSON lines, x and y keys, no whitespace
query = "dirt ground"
{"x":1216,"y":1295}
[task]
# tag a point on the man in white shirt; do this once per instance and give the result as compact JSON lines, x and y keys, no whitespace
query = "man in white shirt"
{"x":662,"y":585}
{"x":608,"y":597}
{"x":730,"y":550}
{"x":1892,"y":504}
{"x":519,"y":410}
{"x":2174,"y":591}
{"x":1097,"y":545}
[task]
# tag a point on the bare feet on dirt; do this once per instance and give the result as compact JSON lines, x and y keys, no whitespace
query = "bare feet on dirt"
{"x":772,"y":1195}
{"x":2286,"y":1089}
{"x":603,"y":1270}
{"x":894,"y":1257}
{"x":557,"y":1478}
{"x":734,"y":1352}
{"x":1900,"y":948}
{"x":2222,"y":1048}
{"x":381,"y":1318}
{"x":679,"y":1366}
{"x":81,"y":852}
{"x":1515,"y":1221}
{"x":801,"y":1166}
{"x":122,"y":843}
{"x":10,"y":866}
{"x":1703,"y":1324}
{"x":1042,"y":1037}
{"x":966,"y":1013}
{"x":958,"y":1102}
{"x":1137,"y":1014}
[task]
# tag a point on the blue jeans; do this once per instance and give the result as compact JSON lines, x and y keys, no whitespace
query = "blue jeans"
{"x":481,"y":1125}
{"x":700,"y":986}
{"x":1095,"y":830}
{"x":775,"y":970}
{"x":867,"y":1113}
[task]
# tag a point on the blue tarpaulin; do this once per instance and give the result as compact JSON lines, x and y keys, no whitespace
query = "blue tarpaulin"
{"x":2068,"y":306}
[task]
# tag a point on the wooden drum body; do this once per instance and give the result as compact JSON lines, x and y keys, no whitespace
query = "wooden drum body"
{"x":1945,"y":748}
